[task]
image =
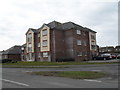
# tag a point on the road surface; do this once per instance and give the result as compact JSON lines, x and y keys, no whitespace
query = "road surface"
{"x":19,"y":78}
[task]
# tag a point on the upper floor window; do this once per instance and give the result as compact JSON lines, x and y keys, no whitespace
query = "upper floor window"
{"x":45,"y":43}
{"x":92,"y":36}
{"x":93,"y":47}
{"x":85,"y":42}
{"x":39,"y":35}
{"x":92,"y":43}
{"x":79,"y":32}
{"x":29,"y":37}
{"x":29,"y":45}
{"x":29,"y":49}
{"x":84,"y":33}
{"x":44,"y":32}
{"x":79,"y":42}
{"x":38,"y":44}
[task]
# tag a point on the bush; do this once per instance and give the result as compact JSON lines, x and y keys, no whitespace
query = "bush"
{"x":64,"y":59}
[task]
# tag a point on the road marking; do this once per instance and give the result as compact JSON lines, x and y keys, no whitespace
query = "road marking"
{"x":96,"y":70}
{"x":27,"y":71}
{"x":92,"y":80}
{"x":14,"y":82}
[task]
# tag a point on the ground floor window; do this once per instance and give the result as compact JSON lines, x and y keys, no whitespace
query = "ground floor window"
{"x":39,"y":55}
{"x":79,"y":53}
{"x":85,"y":53}
{"x":45,"y":54}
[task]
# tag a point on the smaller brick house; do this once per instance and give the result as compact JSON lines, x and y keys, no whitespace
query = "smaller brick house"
{"x":13,"y":53}
{"x":117,"y":49}
{"x":107,"y":49}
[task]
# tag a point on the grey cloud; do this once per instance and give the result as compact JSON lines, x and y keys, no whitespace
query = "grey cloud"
{"x":22,"y":15}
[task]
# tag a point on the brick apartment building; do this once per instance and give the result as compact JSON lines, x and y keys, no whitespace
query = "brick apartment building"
{"x":57,"y":41}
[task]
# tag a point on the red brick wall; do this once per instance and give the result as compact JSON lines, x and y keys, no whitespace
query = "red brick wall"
{"x":15,"y":57}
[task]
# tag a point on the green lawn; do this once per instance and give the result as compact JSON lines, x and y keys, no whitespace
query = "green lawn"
{"x":72,"y":74}
{"x":51,"y":63}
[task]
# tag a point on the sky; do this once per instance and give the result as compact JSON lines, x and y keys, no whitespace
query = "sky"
{"x":17,"y":16}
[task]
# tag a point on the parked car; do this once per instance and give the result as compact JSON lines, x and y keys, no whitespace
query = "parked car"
{"x":102,"y":57}
{"x":118,"y":56}
{"x":113,"y":56}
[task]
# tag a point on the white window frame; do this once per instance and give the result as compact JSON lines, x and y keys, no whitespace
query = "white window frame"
{"x":45,"y":43}
{"x":44,"y":32}
{"x":79,"y":54}
{"x":79,"y":32}
{"x":92,"y":36}
{"x":30,"y":45}
{"x":29,"y":37}
{"x":79,"y":42}
{"x":45,"y":54}
{"x":29,"y":49}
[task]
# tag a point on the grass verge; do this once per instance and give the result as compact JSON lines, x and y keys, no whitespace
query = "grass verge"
{"x":13,"y":66}
{"x":72,"y":74}
{"x":53,"y":63}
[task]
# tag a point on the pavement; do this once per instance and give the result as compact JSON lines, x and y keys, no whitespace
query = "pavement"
{"x":112,"y":60}
{"x":20,"y":78}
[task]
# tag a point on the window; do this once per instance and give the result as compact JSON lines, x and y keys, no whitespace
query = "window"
{"x":5,"y":56}
{"x":109,"y":50}
{"x":29,"y":45}
{"x":93,"y":46}
{"x":29,"y":49}
{"x":85,"y":42}
{"x":38,"y":55}
{"x":44,"y":32}
{"x":44,"y":43}
{"x":84,"y":33}
{"x":92,"y":43}
{"x":39,"y":35}
{"x":92,"y":36}
{"x":38,"y":44}
{"x":79,"y":53}
{"x":79,"y":42}
{"x":45,"y":54}
{"x":85,"y":53}
{"x":29,"y":37}
{"x":79,"y":32}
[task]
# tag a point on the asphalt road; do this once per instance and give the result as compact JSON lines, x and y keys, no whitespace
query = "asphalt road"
{"x":19,"y":78}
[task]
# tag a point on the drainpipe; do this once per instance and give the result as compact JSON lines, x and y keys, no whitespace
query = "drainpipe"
{"x":54,"y":47}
